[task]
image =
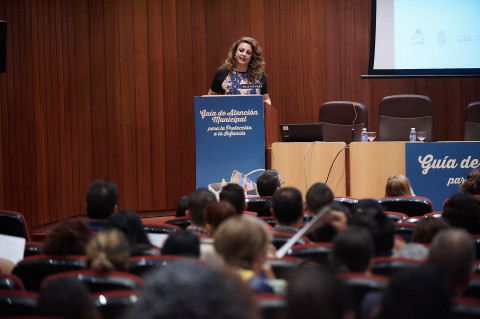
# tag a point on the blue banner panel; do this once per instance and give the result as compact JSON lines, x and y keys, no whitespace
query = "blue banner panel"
{"x":229,"y":135}
{"x":436,"y":170}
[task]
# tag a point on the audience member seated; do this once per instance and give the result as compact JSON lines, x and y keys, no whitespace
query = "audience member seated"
{"x":182,"y":243}
{"x":243,"y":242}
{"x":197,"y":201}
{"x":235,"y":194}
{"x":316,"y":293}
{"x":398,"y":185}
{"x":369,"y":214}
{"x":131,"y":226}
{"x":182,"y":207}
{"x":108,"y":251}
{"x":69,"y":237}
{"x":415,"y":293}
{"x":462,"y":210}
{"x":352,"y":251}
{"x":66,"y":298}
{"x":267,"y":183}
{"x":427,"y":228}
{"x":102,"y":201}
{"x":287,"y":208}
{"x":472,"y":183}
{"x":318,"y":196}
{"x":424,"y":232}
{"x":216,"y":213}
{"x":336,"y":221}
{"x":193,"y":291}
{"x":452,"y":254}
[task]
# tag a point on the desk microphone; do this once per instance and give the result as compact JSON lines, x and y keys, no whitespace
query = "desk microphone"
{"x":353,"y":123}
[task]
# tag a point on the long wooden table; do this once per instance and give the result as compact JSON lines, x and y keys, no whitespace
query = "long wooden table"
{"x":303,"y":164}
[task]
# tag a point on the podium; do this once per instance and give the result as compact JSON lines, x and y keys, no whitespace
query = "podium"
{"x":229,"y":136}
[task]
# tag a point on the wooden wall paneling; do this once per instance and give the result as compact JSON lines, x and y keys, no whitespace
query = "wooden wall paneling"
{"x":114,"y":123}
{"x":228,"y":27}
{"x":52,"y":112}
{"x":243,"y":22}
{"x":67,"y":129}
{"x":187,"y":54}
{"x":317,"y":58}
{"x":256,"y":13}
{"x":98,"y":80}
{"x":157,"y":93}
{"x":201,"y":55}
{"x":83,"y":96}
{"x":273,"y":54}
{"x":62,"y":175}
{"x":30,"y":177}
{"x":172,"y":68}
{"x":40,"y":214}
{"x":3,"y":109}
{"x":142,"y":104}
{"x":129,"y":187}
{"x":186,"y":92}
{"x":215,"y":52}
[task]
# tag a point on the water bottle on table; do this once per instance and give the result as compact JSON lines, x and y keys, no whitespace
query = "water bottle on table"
{"x":413,"y":135}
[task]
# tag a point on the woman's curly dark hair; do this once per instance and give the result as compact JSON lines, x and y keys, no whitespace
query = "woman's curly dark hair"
{"x":256,"y":65}
{"x":472,"y":183}
{"x":70,"y":237}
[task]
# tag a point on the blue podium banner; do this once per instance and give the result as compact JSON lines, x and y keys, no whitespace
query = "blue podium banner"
{"x":229,"y":135}
{"x":436,"y":170}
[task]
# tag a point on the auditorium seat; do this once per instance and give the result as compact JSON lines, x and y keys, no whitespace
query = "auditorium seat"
{"x":104,"y":281}
{"x":339,"y":117}
{"x":271,"y":305}
{"x":33,"y":248}
{"x":395,"y":216}
{"x":140,"y":265}
{"x":12,"y":282}
{"x":115,"y":303}
{"x":472,"y":122}
{"x":359,"y":284}
{"x":279,"y":239}
{"x":387,"y":266}
{"x":32,"y":270}
{"x":316,"y":252}
{"x":405,"y":230}
{"x":258,"y":205}
{"x":13,"y":224}
{"x":350,"y":202}
{"x":409,"y":205}
{"x":465,"y":308}
{"x":15,"y":303}
{"x":182,"y":222}
{"x":159,"y":228}
{"x":399,"y":113}
{"x":268,"y":220}
{"x":282,"y":267}
{"x":473,"y":289}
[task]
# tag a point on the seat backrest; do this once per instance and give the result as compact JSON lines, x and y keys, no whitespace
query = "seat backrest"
{"x":13,"y":224}
{"x":408,"y":205}
{"x":104,"y":281}
{"x":473,"y":289}
{"x":472,"y":122}
{"x":465,"y":308}
{"x":387,"y":266}
{"x":350,"y":202}
{"x":279,"y":239}
{"x":16,"y":303}
{"x":399,"y":113}
{"x":159,"y":228}
{"x":33,"y":248}
{"x":33,"y":269}
{"x":283,"y":267}
{"x":316,"y":252}
{"x":140,"y":265}
{"x":405,"y":230}
{"x":115,"y":303}
{"x":339,"y":117}
{"x":182,"y":222}
{"x":12,"y":282}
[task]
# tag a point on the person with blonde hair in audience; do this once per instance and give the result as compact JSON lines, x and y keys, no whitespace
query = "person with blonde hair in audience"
{"x":398,"y":185}
{"x":108,"y":251}
{"x":243,"y":242}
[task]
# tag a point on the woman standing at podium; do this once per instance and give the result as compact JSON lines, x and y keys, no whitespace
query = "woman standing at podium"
{"x":242,"y":71}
